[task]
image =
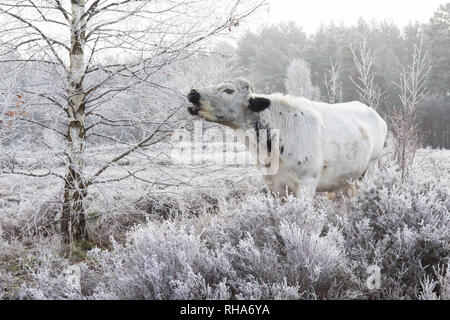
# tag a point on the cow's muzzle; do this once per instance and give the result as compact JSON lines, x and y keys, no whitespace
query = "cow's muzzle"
{"x":194,"y":98}
{"x":194,"y":110}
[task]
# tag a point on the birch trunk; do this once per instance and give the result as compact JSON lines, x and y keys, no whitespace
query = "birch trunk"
{"x":73,"y":224}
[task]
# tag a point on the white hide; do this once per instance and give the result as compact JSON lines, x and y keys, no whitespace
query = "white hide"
{"x":324,"y":146}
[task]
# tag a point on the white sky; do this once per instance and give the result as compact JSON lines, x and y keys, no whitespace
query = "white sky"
{"x":310,"y":13}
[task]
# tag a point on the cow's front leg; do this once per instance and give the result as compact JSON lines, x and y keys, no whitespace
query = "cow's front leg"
{"x":306,"y":185}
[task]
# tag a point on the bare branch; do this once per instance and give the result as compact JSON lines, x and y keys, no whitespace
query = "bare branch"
{"x":368,"y":90}
{"x":144,"y":143}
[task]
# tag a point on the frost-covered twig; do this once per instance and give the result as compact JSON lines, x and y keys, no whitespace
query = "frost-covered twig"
{"x":332,"y":83}
{"x":405,"y":128}
{"x":368,"y":90}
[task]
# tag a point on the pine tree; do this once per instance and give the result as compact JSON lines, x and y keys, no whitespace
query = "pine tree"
{"x":438,"y":43}
{"x":265,"y":55}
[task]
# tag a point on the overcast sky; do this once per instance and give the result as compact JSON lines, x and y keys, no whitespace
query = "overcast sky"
{"x":310,"y":13}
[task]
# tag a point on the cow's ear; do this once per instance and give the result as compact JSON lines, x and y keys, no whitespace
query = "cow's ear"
{"x":258,"y":104}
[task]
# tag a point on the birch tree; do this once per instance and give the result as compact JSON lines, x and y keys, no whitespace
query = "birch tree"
{"x":298,"y":80}
{"x":79,"y":55}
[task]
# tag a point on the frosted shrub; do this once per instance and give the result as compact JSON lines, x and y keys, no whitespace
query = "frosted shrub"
{"x":438,"y":288}
{"x":113,"y":221}
{"x":161,"y":261}
{"x":401,"y":227}
{"x":266,"y":249}
{"x":255,"y":246}
{"x":272,"y":242}
{"x":34,"y":268}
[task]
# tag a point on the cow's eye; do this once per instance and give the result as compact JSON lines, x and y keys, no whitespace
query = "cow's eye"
{"x":229,"y":91}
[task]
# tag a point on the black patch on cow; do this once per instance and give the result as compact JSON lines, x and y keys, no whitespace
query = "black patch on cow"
{"x":262,"y":125}
{"x":303,"y":113}
{"x":258,"y":104}
{"x":281,"y":149}
{"x":269,"y":140}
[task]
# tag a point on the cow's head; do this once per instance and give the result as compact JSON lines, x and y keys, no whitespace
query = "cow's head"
{"x":230,"y":103}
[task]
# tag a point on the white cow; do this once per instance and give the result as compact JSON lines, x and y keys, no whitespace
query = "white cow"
{"x":322,"y":146}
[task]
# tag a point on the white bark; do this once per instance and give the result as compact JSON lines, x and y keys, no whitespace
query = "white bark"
{"x":74,"y":222}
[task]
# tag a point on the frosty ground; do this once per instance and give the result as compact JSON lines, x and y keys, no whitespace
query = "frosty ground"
{"x":212,"y":231}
